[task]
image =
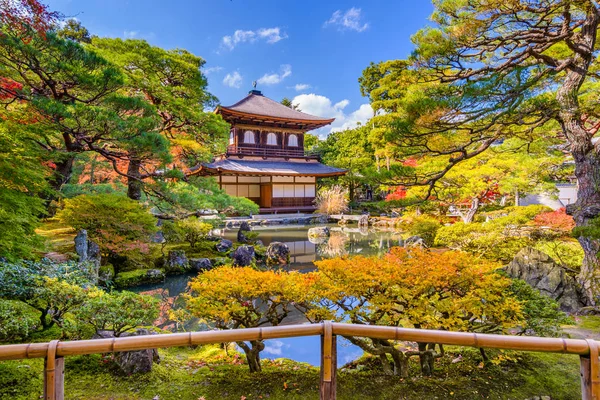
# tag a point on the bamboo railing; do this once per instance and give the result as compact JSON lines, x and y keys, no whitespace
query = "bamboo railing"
{"x":55,"y":351}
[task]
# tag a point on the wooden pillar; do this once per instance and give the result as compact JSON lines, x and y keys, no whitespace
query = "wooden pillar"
{"x":590,"y":373}
{"x":328,"y":363}
{"x":54,"y":374}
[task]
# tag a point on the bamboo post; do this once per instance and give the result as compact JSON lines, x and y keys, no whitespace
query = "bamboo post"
{"x":54,"y":374}
{"x":328,"y":363}
{"x":590,"y":373}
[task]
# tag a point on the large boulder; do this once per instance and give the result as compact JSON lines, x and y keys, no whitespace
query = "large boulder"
{"x":224,"y":246}
{"x":319,"y":232}
{"x":244,"y":227}
{"x":81,"y":245}
{"x":89,"y":253}
{"x":278,"y":254}
{"x":541,"y":272}
{"x":243,"y":256}
{"x":200,"y":264}
{"x":415,"y":241}
{"x":176,"y":262}
{"x":133,"y":362}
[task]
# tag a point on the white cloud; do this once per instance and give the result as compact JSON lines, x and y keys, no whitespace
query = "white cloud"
{"x":301,"y":86}
{"x":275,"y":347}
{"x":211,"y":70}
{"x":275,"y":78}
{"x":322,"y":106}
{"x":138,"y":35}
{"x":130,"y":34}
{"x":233,"y":80}
{"x":270,"y":35}
{"x":349,"y":20}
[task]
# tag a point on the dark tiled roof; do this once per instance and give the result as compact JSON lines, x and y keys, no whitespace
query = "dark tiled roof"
{"x":258,"y":104}
{"x":273,"y":167}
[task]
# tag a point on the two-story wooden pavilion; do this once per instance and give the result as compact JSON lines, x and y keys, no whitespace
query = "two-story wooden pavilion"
{"x":265,"y":159}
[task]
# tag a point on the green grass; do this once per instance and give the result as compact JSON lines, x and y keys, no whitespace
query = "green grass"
{"x":208,"y":372}
{"x":589,"y":322}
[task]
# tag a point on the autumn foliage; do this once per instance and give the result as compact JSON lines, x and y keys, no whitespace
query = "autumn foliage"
{"x":234,"y":298}
{"x":416,"y":288}
{"x":557,"y":220}
{"x":26,"y":18}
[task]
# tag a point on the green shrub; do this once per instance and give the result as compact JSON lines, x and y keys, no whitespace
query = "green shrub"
{"x":500,"y":238}
{"x":52,"y":289}
{"x":542,"y":314}
{"x":71,"y":190}
{"x":568,"y":253}
{"x":118,"y":312}
{"x":193,"y":230}
{"x":16,"y":321}
{"x":425,"y":227}
{"x":241,"y":206}
{"x":117,"y":223}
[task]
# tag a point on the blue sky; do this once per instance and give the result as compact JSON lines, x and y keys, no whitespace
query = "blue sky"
{"x":310,"y":51}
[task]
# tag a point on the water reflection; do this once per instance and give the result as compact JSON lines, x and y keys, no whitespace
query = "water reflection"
{"x":303,"y":252}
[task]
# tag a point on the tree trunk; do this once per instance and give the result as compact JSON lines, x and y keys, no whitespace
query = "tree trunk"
{"x":253,"y":354}
{"x":134,"y":182}
{"x":468,"y":217}
{"x":426,"y":359}
{"x":587,"y":207}
{"x":44,"y":319}
{"x":585,"y":155}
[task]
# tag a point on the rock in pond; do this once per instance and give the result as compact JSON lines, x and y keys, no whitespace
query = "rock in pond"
{"x":176,"y":263}
{"x":415,"y":241}
{"x":319,"y":232}
{"x":244,"y":227}
{"x":278,"y":254}
{"x":200,"y":264}
{"x":133,"y":362}
{"x":224,"y":245}
{"x":243,"y":256}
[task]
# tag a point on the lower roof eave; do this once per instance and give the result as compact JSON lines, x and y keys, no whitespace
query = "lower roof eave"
{"x":211,"y":171}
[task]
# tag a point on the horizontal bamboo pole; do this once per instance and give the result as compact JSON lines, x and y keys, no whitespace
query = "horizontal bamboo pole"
{"x":131,"y":343}
{"x":507,"y":342}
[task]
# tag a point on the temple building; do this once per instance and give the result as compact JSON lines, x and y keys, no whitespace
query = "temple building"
{"x":265,"y":160}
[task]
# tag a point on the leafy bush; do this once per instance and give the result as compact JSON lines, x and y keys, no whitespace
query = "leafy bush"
{"x":52,"y":289}
{"x":16,"y":321}
{"x":241,"y":206}
{"x":71,"y":190}
{"x":332,"y":200}
{"x":542,"y":314}
{"x":116,"y":223}
{"x":500,"y":238}
{"x":118,"y":312}
{"x":233,"y":297}
{"x":568,"y":253}
{"x":557,"y":220}
{"x":413,"y":288}
{"x":424,"y":227}
{"x":193,"y":230}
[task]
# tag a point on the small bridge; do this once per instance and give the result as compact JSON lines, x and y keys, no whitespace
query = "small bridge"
{"x":55,"y":351}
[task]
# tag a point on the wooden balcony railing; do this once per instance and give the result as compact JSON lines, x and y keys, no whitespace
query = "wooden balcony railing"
{"x":267,"y":151}
{"x":54,"y":351}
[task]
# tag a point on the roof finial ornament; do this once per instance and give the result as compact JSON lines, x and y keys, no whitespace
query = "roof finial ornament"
{"x":254,"y":84}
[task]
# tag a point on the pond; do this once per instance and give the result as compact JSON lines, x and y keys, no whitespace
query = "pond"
{"x":303,"y":252}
